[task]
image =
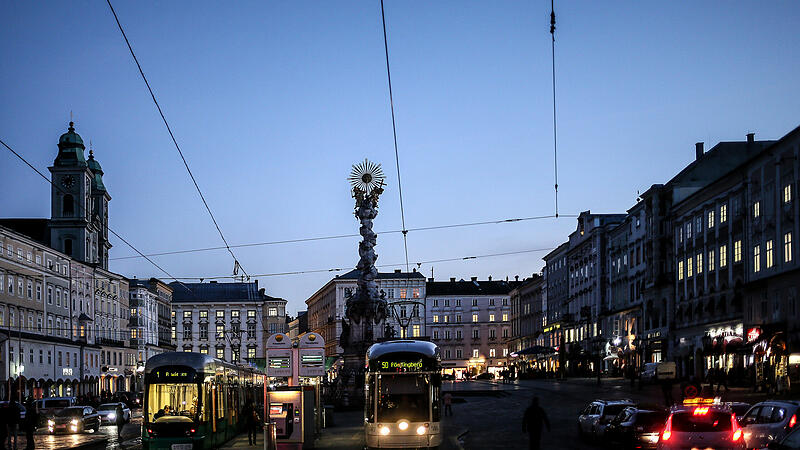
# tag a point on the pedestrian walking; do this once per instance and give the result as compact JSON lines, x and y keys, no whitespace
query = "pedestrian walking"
{"x":31,"y":420}
{"x":13,"y":421}
{"x":251,"y":420}
{"x":120,"y":419}
{"x":532,"y":423}
{"x":666,"y":391}
{"x":448,"y":404}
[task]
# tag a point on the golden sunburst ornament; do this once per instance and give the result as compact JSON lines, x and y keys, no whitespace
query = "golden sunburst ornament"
{"x":366,"y":176}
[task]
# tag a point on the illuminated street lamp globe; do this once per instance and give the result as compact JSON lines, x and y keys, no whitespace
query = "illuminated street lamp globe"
{"x":366,"y":177}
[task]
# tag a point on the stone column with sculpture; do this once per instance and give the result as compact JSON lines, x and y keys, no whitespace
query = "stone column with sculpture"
{"x":365,"y":309}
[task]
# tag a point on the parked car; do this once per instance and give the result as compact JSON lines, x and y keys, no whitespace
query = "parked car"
{"x":790,"y":442}
{"x":769,"y":421}
{"x":648,"y":374}
{"x":108,"y":412}
{"x":636,"y":427}
{"x":74,"y":419}
{"x":47,"y":407}
{"x":701,"y":425}
{"x":20,"y":407}
{"x":594,"y":418}
{"x":739,"y":408}
{"x":485,"y":376}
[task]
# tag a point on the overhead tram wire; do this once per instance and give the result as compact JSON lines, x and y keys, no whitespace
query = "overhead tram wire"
{"x":338,"y":269}
{"x":174,"y":141}
{"x":342,"y":236}
{"x":555,"y":140}
{"x":83,"y":211}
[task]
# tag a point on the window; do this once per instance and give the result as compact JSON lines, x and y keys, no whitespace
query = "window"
{"x":711,"y":260}
{"x":475,"y":333}
{"x":415,"y":292}
{"x":436,"y":302}
{"x":689,"y":271}
{"x":688,"y":230}
{"x":220,"y":331}
{"x":491,"y":302}
{"x":491,"y":317}
{"x":492,"y":333}
{"x":435,"y":334}
{"x":446,"y":302}
{"x":204,"y":314}
{"x":491,"y":353}
{"x":505,"y":352}
{"x":251,"y":314}
{"x":769,"y":253}
{"x":737,"y":251}
{"x":757,"y":258}
{"x":756,"y":210}
{"x":415,"y":331}
{"x":235,"y":315}
{"x":221,"y":353}
{"x":447,"y":334}
{"x":235,"y":354}
{"x":787,"y":247}
{"x":273,"y":312}
{"x":723,"y":255}
{"x":251,"y":352}
{"x":204,"y":331}
{"x":187,"y":315}
{"x":474,"y":317}
{"x":787,"y":193}
{"x":505,"y":317}
{"x":446,"y":318}
{"x":505,"y":332}
{"x":251,"y":331}
{"x":699,"y":263}
{"x":474,"y":302}
{"x":680,"y":270}
{"x":435,"y":318}
{"x":699,"y":224}
{"x":459,"y":353}
{"x":49,"y":295}
{"x":187,"y":331}
{"x":474,"y":352}
{"x":220,"y":315}
{"x":10,"y":284}
{"x":458,"y":334}
{"x":173,"y":333}
{"x":711,"y":219}
{"x":723,"y":213}
{"x":458,"y":302}
{"x":403,"y":293}
{"x":458,"y":318}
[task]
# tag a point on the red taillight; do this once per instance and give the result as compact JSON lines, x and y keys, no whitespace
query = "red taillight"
{"x":700,"y":411}
{"x":667,"y":433}
{"x":737,"y":432}
{"x":150,"y":432}
{"x":793,"y":421}
{"x":191,"y":431}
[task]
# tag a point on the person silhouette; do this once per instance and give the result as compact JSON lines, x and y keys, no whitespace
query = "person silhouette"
{"x":532,"y":423}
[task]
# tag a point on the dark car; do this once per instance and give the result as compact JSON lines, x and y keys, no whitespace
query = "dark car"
{"x":790,"y":442}
{"x":636,"y":427}
{"x":20,"y":407}
{"x":448,"y":377}
{"x":74,"y":419}
{"x":485,"y":376}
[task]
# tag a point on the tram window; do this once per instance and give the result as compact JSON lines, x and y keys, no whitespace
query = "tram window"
{"x":169,"y":402}
{"x":403,"y":397}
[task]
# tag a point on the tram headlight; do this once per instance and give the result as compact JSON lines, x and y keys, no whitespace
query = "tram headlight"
{"x":403,"y":425}
{"x":384,"y":430}
{"x":422,"y":429}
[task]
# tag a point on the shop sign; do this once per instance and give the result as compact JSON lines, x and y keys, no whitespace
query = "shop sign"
{"x":66,"y":371}
{"x":753,"y":334}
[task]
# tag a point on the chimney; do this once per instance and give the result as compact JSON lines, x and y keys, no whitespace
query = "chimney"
{"x":751,"y":137}
{"x":490,"y":278}
{"x":453,"y":279}
{"x":414,"y":270}
{"x":516,"y":277}
{"x":474,"y":278}
{"x":430,"y":280}
{"x":396,"y":270}
{"x":698,"y":150}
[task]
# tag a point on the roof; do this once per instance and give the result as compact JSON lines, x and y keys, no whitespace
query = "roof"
{"x":36,"y":229}
{"x":70,"y":149}
{"x":353,"y":275}
{"x":476,"y":287}
{"x":425,"y":348}
{"x":215,"y":292}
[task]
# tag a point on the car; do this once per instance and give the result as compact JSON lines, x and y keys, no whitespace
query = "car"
{"x":701,"y":424}
{"x":769,"y":421}
{"x":648,"y":373}
{"x":636,"y":427}
{"x":47,"y":407}
{"x":739,"y":408}
{"x":108,"y":412}
{"x":20,"y":407}
{"x":594,"y":418}
{"x":448,"y":377}
{"x":131,"y":399}
{"x":74,"y":419}
{"x":485,"y":376}
{"x":790,"y":442}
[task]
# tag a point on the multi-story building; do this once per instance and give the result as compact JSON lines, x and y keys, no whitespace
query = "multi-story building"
{"x":149,"y":303}
{"x":299,"y":325}
{"x":403,"y":291}
{"x":274,"y":314}
{"x":470,"y":321}
{"x":556,"y":268}
{"x":57,"y":290}
{"x":225,"y":320}
{"x":528,"y":319}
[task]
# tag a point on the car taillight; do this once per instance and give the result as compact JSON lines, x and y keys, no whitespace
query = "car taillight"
{"x":793,"y":421}
{"x":737,"y":432}
{"x":150,"y":432}
{"x":700,"y":411}
{"x":667,"y":433}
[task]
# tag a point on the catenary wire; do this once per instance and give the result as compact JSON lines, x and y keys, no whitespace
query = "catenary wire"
{"x":174,"y":141}
{"x":83,"y":210}
{"x":342,"y":236}
{"x":555,"y":140}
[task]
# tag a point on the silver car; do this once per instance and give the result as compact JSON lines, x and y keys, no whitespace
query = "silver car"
{"x":701,"y":426}
{"x":596,"y":416}
{"x":769,"y":421}
{"x":108,"y":412}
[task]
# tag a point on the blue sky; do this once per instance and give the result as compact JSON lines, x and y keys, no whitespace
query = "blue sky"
{"x":273,"y":101}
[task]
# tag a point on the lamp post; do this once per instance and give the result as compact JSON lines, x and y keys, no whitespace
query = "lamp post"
{"x":597,"y":348}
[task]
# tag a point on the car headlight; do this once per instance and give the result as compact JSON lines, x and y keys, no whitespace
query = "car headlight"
{"x":403,"y":425}
{"x":112,"y":416}
{"x":74,"y":422}
{"x":385,"y":430}
{"x":422,"y":429}
{"x":50,"y":422}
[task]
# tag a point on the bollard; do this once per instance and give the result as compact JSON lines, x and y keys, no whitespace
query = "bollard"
{"x":270,"y":436}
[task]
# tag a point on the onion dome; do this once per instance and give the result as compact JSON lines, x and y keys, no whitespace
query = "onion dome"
{"x":70,"y":149}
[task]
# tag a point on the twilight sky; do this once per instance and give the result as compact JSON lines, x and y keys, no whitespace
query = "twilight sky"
{"x":273,"y":101}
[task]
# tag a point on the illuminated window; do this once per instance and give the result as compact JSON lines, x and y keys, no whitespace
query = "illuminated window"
{"x":220,"y":315}
{"x":737,"y":251}
{"x":403,"y":293}
{"x":273,"y":312}
{"x":221,"y":353}
{"x":491,"y":317}
{"x":723,"y":255}
{"x":756,"y":210}
{"x":187,"y":315}
{"x":787,"y":247}
{"x":415,"y":331}
{"x":689,"y":271}
{"x":491,"y":353}
{"x":251,"y":352}
{"x":415,"y":292}
{"x":505,"y":352}
{"x":699,"y":263}
{"x":769,"y":253}
{"x":435,"y":318}
{"x":474,"y":352}
{"x":680,"y":270}
{"x":204,"y":314}
{"x":220,"y":331}
{"x":688,"y":230}
{"x":234,"y":314}
{"x":711,"y":219}
{"x":474,"y":317}
{"x":446,"y":318}
{"x":251,"y":313}
{"x":787,"y":193}
{"x":723,"y":213}
{"x":757,"y":258}
{"x":711,"y":260}
{"x":505,"y":317}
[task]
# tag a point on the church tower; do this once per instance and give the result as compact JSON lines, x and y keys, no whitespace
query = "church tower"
{"x":99,"y":198}
{"x":71,"y":228}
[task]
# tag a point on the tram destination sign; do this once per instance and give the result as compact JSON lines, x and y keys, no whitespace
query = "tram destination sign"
{"x":402,"y":365}
{"x":172,"y":375}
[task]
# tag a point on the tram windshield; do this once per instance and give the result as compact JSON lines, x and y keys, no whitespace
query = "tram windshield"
{"x":404,"y":397}
{"x":172,"y":402}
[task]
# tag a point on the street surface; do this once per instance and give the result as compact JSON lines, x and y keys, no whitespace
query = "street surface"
{"x":106,"y":438}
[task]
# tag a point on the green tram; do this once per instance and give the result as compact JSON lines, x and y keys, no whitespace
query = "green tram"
{"x":193,"y":401}
{"x":402,"y":388}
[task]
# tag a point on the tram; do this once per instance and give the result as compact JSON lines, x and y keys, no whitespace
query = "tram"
{"x":402,"y":402}
{"x":193,"y":401}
